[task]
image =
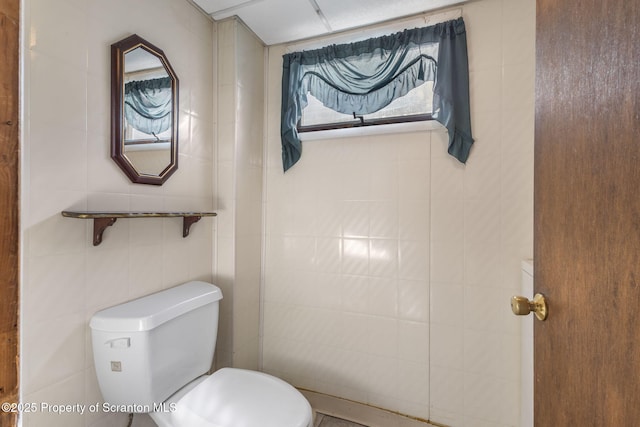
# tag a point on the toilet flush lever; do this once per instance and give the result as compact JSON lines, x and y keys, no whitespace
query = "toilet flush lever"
{"x":521,"y":306}
{"x":119,"y":343}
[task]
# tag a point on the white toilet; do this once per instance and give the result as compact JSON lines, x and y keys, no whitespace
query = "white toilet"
{"x":152,"y":354}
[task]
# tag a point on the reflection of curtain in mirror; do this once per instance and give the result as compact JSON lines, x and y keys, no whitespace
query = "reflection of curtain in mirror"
{"x":147,"y":105}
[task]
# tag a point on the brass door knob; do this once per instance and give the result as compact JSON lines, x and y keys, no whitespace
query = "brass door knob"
{"x":521,"y":306}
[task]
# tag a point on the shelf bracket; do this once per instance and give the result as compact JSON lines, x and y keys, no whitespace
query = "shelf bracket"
{"x":99,"y":225}
{"x":187,"y":222}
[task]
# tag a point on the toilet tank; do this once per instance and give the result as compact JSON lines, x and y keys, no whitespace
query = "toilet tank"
{"x":146,"y":349}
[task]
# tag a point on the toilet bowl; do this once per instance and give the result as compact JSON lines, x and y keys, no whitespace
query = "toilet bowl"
{"x":152,"y":355}
{"x":242,"y":398}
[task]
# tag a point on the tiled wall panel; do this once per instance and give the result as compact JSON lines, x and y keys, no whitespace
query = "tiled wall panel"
{"x":389,"y":265}
{"x":482,"y":226}
{"x":346,"y":297}
{"x":67,"y":165}
{"x":240,"y":105}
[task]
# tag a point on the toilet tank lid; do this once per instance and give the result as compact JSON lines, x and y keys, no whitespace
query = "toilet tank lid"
{"x":151,"y":311}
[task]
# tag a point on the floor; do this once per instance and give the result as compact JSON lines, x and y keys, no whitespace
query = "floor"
{"x":143,"y":420}
{"x":327,"y":421}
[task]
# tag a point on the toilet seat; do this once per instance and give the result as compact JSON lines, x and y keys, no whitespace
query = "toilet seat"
{"x":241,"y":398}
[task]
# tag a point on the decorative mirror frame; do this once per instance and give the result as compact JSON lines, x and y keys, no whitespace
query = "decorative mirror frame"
{"x":118,"y":51}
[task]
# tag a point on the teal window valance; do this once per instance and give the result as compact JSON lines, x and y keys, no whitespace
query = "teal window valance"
{"x":366,"y":76}
{"x":148,"y":105}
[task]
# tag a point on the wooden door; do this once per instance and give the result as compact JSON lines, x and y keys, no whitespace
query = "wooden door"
{"x":587,"y":212}
{"x":9,"y":230}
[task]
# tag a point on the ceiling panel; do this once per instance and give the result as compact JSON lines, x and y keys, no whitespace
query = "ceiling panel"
{"x":213,"y":6}
{"x":343,"y":15}
{"x":280,"y":21}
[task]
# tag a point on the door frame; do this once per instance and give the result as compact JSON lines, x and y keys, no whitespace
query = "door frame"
{"x":9,"y":200}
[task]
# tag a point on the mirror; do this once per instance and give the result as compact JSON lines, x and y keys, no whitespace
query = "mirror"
{"x":144,"y":111}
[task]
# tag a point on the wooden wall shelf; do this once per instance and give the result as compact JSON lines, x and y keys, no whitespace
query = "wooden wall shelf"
{"x":102,"y":220}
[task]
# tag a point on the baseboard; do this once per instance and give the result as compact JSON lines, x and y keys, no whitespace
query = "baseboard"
{"x":360,"y":413}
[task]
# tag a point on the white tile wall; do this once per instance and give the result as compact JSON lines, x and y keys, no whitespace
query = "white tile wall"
{"x":346,"y":270}
{"x":386,"y":275}
{"x":66,"y":165}
{"x":389,"y":265}
{"x":240,"y":105}
{"x":482,"y":225}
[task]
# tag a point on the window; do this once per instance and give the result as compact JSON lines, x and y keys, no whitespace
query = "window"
{"x":412,"y":75}
{"x":416,"y":105}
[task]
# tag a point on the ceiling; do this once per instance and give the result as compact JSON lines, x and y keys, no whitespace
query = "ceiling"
{"x":280,"y":21}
